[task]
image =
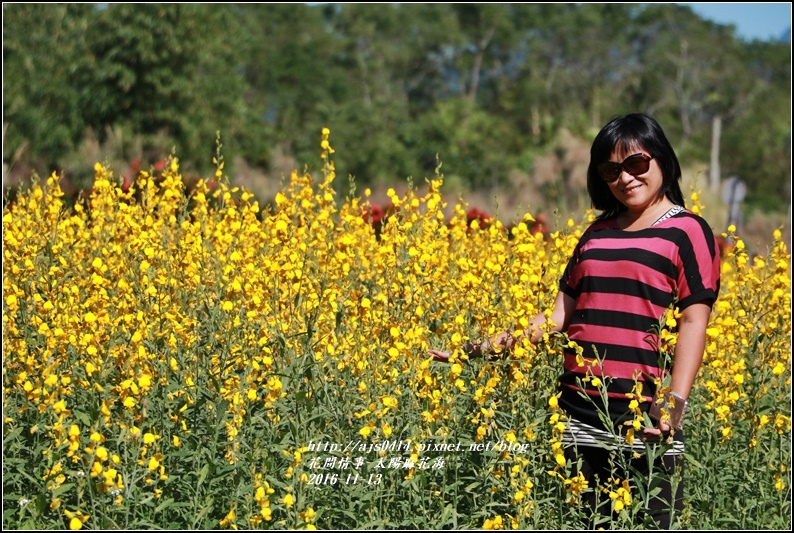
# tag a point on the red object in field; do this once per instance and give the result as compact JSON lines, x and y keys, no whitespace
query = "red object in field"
{"x":131,"y":176}
{"x":374,"y":214}
{"x":377,"y":216}
{"x":480,"y":216}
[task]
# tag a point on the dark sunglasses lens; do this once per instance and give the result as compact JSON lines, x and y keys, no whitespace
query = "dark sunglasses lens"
{"x":609,"y":171}
{"x":637,"y":165}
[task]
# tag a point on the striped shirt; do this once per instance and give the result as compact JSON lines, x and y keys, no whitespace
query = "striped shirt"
{"x":623,"y":282}
{"x":580,"y":434}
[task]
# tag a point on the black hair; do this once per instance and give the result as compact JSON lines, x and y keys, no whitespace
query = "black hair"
{"x":622,"y":134}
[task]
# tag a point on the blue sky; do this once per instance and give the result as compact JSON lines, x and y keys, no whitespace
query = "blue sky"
{"x":765,"y":20}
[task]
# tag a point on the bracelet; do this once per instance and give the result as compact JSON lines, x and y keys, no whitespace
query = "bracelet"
{"x":511,"y":341}
{"x":502,"y":349}
{"x":473,"y":349}
{"x":671,"y":407}
{"x":476,"y":349}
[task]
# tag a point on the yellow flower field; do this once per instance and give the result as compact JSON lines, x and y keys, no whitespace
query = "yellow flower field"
{"x":191,"y":359}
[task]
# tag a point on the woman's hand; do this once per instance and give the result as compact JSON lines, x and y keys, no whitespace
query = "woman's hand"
{"x":504,"y":341}
{"x":438,"y":355}
{"x":669,"y":411}
{"x":486,"y":348}
{"x":472,"y":349}
{"x":661,"y":431}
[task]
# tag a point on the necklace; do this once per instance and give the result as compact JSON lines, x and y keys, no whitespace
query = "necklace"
{"x":669,"y":213}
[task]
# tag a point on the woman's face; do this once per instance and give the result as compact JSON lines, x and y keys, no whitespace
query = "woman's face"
{"x":640,"y":191}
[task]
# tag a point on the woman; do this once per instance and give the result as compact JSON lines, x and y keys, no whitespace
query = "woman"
{"x":644,"y":254}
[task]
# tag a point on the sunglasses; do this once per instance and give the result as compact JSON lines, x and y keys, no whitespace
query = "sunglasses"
{"x":635,"y":165}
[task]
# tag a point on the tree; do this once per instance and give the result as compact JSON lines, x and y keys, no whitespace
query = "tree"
{"x":758,"y":145}
{"x":41,"y":109}
{"x":290,"y":61}
{"x":162,"y":69}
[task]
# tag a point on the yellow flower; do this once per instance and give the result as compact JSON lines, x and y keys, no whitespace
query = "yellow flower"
{"x":76,"y":519}
{"x":145,"y":381}
{"x":289,"y":500}
{"x":229,"y":519}
{"x":559,"y":458}
{"x":495,"y":523}
{"x":102,"y":453}
{"x":59,"y":406}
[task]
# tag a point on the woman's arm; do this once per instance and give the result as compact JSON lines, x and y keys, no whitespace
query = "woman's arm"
{"x":689,"y":347}
{"x":561,"y":314}
{"x":687,"y":357}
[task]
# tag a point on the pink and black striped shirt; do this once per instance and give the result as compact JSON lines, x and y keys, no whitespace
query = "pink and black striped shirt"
{"x":623,"y":282}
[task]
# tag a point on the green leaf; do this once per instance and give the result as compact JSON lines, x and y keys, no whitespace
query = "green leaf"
{"x":66,"y":487}
{"x":203,"y":474}
{"x":164,"y":505}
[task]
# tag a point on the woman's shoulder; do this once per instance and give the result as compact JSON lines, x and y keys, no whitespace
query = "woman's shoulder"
{"x":694,"y":228}
{"x":688,"y":218}
{"x":599,"y":225}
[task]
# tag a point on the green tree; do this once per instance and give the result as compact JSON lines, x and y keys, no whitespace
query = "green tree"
{"x":162,"y":69}
{"x":757,"y":147}
{"x":294,"y":83}
{"x":41,"y":112}
{"x":701,"y":79}
{"x":486,"y":87}
{"x":395,"y":58}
